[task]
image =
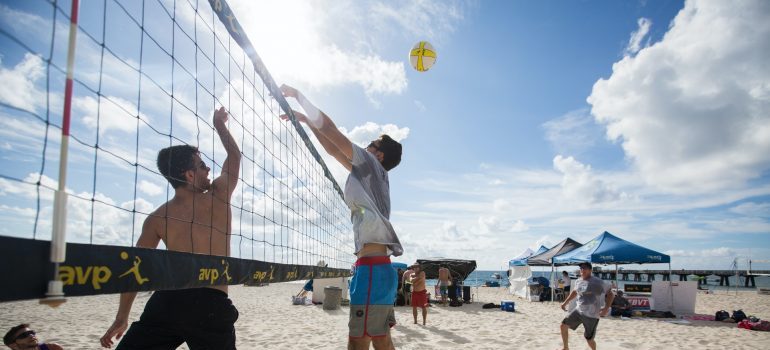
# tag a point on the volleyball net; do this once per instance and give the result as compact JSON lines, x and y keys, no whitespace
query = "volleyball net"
{"x":148,"y":75}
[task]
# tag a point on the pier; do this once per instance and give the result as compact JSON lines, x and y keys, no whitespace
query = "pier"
{"x":649,"y":275}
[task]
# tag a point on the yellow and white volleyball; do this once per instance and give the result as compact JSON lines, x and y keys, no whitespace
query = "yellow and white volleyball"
{"x":422,"y":56}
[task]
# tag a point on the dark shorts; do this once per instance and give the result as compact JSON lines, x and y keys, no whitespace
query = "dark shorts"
{"x":574,"y":319}
{"x":204,"y":318}
{"x":372,"y":294}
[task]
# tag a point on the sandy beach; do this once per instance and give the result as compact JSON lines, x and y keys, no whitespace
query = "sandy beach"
{"x":269,"y":321}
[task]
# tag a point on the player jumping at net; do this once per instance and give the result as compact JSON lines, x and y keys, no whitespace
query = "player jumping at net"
{"x":367,"y":193}
{"x":196,"y":220}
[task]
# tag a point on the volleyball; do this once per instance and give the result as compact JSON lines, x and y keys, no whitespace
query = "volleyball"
{"x":422,"y":56}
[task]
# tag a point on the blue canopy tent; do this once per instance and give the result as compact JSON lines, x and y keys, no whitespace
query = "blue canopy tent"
{"x":610,"y":249}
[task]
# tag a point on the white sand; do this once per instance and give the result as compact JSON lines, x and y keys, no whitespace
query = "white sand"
{"x":269,"y":321}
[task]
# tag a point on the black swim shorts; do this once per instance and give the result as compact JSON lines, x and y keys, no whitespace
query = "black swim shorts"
{"x":204,"y":318}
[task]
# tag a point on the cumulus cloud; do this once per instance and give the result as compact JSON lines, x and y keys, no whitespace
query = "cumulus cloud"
{"x":18,"y":87}
{"x":363,"y":134}
{"x":519,"y":226}
{"x":692,"y":112}
{"x":149,"y":188}
{"x":114,"y":113}
{"x":635,"y":42}
{"x":102,"y":221}
{"x":338,"y":43}
{"x":579,"y":183}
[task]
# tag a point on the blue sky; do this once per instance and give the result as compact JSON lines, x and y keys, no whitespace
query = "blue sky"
{"x":541,"y":120}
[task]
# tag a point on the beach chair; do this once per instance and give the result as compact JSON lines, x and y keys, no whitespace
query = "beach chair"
{"x":558,"y":294}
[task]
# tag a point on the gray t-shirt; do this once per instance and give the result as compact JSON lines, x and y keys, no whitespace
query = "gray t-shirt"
{"x":367,"y":194}
{"x":590,"y":296}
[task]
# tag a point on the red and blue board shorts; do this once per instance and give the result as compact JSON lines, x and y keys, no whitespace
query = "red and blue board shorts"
{"x":372,"y":293}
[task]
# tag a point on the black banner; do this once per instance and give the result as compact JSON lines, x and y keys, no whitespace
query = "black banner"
{"x":637,"y":288}
{"x":100,"y":269}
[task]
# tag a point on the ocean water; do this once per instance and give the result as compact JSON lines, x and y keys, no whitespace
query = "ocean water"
{"x":480,"y":277}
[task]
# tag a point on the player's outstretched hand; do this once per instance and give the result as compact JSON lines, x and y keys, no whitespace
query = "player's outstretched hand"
{"x":300,"y":116}
{"x":116,"y":330}
{"x":289,"y":91}
{"x":220,"y":115}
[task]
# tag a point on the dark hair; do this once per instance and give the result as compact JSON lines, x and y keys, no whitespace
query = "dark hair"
{"x":174,"y":161}
{"x":391,"y":151}
{"x":10,"y":337}
{"x":587,"y":264}
{"x":565,"y":273}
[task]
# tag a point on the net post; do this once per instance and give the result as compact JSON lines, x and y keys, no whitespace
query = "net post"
{"x":55,"y":294}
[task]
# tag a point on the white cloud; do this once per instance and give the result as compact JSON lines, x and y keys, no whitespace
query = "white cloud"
{"x":18,"y":87}
{"x":752,"y":209}
{"x":519,"y":226}
{"x":363,"y":134}
{"x":335,"y":43}
{"x":114,"y":113}
{"x":573,"y":132}
{"x":150,"y":189}
{"x":579,"y":182}
{"x":635,"y":42}
{"x":424,"y":19}
{"x":707,"y":253}
{"x":692,"y":112}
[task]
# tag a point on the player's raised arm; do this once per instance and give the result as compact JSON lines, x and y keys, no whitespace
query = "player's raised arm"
{"x":228,"y":179}
{"x":333,"y":141}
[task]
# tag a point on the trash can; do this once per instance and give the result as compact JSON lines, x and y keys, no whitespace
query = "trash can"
{"x":332,"y":296}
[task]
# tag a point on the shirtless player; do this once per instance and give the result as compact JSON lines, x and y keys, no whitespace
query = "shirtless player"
{"x":196,"y":220}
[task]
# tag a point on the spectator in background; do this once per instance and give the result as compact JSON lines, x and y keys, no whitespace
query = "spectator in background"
{"x":443,"y":283}
{"x":419,"y":293}
{"x":565,"y":281}
{"x":620,"y":305}
{"x":22,"y":337}
{"x":407,"y":287}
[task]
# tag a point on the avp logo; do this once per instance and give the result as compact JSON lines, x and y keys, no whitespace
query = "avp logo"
{"x":98,"y":275}
{"x":134,"y":269}
{"x":212,"y":274}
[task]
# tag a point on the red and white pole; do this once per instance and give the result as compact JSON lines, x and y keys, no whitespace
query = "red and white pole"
{"x":55,"y":294}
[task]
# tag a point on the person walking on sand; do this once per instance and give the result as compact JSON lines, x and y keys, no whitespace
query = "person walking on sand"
{"x":197,"y":220}
{"x":367,"y":194}
{"x":419,"y":293}
{"x":588,"y":291}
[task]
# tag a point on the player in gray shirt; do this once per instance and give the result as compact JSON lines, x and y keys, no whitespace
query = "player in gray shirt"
{"x":367,"y":194}
{"x":588,"y":291}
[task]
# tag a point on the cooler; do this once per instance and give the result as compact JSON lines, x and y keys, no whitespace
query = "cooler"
{"x":508,"y":305}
